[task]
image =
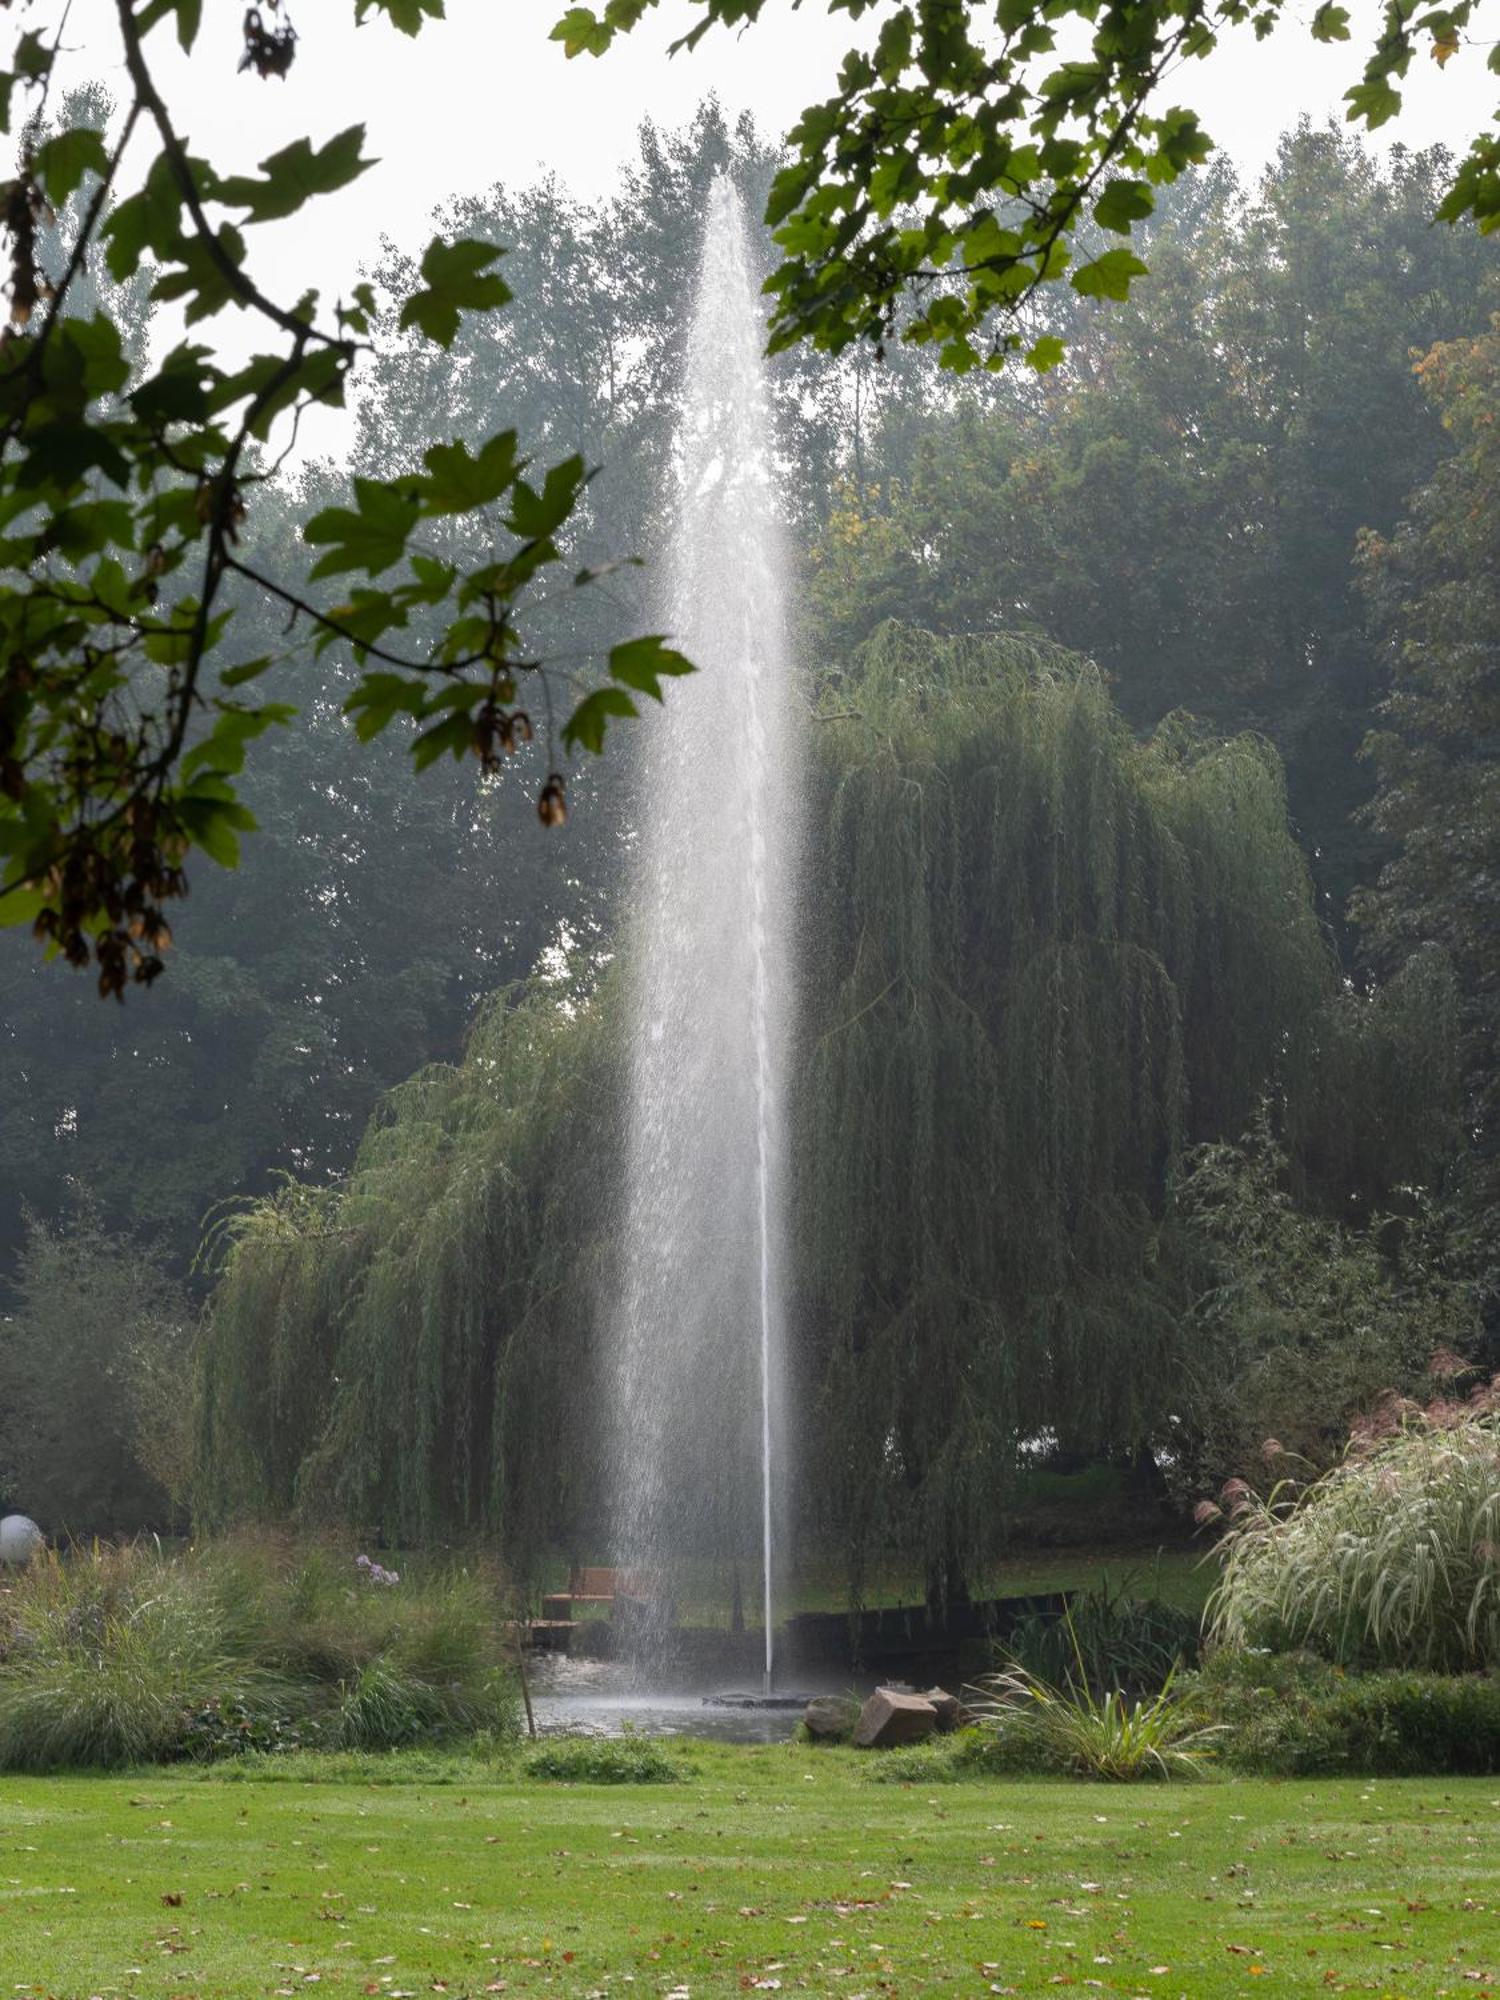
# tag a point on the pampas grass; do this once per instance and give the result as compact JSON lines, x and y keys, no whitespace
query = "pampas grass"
{"x":1391,"y":1559}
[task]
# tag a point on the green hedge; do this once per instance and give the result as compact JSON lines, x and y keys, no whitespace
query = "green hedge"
{"x":1293,"y":1715}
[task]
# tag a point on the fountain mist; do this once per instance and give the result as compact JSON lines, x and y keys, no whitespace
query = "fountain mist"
{"x":699,"y":1336}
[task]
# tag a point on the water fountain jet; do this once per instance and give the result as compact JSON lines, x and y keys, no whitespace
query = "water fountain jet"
{"x":699,"y":1324}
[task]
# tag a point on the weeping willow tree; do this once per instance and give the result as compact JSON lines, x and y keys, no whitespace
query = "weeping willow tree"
{"x":1042,"y":959}
{"x":1048,"y":958}
{"x":412,"y":1351}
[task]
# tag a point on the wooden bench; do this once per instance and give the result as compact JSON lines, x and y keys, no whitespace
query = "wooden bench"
{"x":595,"y":1586}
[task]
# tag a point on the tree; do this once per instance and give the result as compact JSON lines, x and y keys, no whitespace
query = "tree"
{"x":1435,"y":749}
{"x":954,"y":164}
{"x":1185,"y":504}
{"x":377,"y":914}
{"x":96,"y":1379}
{"x":947,"y":165}
{"x":304,"y":986}
{"x":1301,"y":1322}
{"x":127,"y":708}
{"x":1052,"y":960}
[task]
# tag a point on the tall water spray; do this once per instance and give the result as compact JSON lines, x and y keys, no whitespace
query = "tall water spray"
{"x":699,"y":1338}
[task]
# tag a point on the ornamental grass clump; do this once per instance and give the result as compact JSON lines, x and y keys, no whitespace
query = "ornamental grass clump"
{"x":111,"y":1656}
{"x":103,"y":1655}
{"x":1034,"y":1725}
{"x":1069,"y":1725}
{"x":1390,"y":1559}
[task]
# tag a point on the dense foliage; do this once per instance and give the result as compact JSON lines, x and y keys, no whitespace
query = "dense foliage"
{"x":1436,"y":745}
{"x":119,"y":1656}
{"x":1052,"y":957}
{"x":1183,"y":504}
{"x":412,"y":1350}
{"x":1302,"y":1319}
{"x":302,"y":988}
{"x":95,"y":1379}
{"x":951,"y":170}
{"x":128,"y":475}
{"x":1295,"y":1715}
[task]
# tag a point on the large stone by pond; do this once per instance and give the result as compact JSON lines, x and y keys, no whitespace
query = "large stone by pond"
{"x":950,"y":1711}
{"x":889,"y":1718}
{"x":20,"y":1540}
{"x":828,"y":1718}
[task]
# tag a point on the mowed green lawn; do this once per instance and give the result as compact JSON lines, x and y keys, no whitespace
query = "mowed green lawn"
{"x":776,"y":1869}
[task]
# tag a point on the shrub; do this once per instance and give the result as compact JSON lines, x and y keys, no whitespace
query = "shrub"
{"x":1106,"y":1639}
{"x":1294,"y":1715}
{"x":96,"y":1670}
{"x":1390,"y":1559}
{"x":115,"y":1656}
{"x":221,"y":1729}
{"x":606,"y":1760}
{"x":1300,"y":1321}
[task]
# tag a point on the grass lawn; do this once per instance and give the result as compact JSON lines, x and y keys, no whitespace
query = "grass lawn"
{"x":775,"y":1869}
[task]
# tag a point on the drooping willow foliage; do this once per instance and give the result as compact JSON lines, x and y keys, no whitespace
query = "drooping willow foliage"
{"x":411,"y":1351}
{"x":1048,"y":956}
{"x":1040,"y":958}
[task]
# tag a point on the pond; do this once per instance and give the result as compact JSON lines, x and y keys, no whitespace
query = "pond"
{"x":579,"y":1696}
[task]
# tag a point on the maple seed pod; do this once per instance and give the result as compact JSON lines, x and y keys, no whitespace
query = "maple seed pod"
{"x":552,"y":806}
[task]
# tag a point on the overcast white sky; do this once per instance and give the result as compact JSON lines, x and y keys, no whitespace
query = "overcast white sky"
{"x":485,"y":96}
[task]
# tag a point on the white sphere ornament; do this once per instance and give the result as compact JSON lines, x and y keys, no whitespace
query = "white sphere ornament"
{"x":20,"y":1540}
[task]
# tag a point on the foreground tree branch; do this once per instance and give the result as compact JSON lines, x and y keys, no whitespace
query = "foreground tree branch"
{"x":961,"y":163}
{"x":126,"y":711}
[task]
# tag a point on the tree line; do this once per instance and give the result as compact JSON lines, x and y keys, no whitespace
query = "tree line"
{"x":1263,"y":524}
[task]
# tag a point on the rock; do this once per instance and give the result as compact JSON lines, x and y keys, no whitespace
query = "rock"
{"x":20,"y":1540}
{"x":828,"y":1718}
{"x":888,"y":1718}
{"x":951,"y":1713}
